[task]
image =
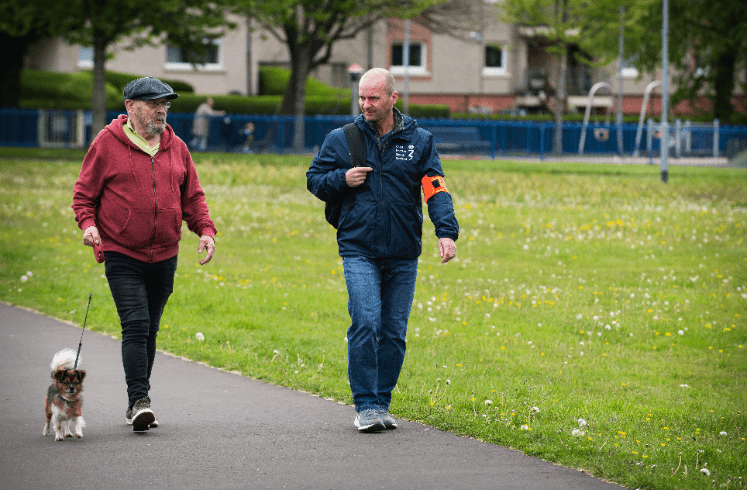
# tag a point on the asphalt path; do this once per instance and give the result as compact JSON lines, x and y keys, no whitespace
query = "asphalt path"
{"x":220,"y":430}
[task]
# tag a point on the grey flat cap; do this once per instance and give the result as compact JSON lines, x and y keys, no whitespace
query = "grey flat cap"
{"x":148,"y":88}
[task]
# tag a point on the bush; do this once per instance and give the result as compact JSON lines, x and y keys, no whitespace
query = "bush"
{"x":51,"y":90}
{"x":119,"y":80}
{"x":425,"y":111}
{"x":274,"y":79}
{"x":48,"y":90}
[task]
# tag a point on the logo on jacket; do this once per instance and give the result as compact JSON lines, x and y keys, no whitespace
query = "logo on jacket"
{"x":402,"y":153}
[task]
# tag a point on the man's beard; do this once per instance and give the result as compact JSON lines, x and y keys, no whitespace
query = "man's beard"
{"x":154,"y":130}
{"x":150,"y":126}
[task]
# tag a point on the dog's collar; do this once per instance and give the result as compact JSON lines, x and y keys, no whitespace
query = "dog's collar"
{"x":63,"y":398}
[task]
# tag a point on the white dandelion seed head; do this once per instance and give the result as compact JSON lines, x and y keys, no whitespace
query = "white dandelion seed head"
{"x":199,"y":336}
{"x":681,"y":332}
{"x":535,"y":409}
{"x":24,"y":278}
{"x":577,"y":432}
{"x":488,"y":402}
{"x":581,"y":422}
{"x":722,"y":434}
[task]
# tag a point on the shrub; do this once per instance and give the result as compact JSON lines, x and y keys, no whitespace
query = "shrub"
{"x":48,"y":90}
{"x":119,"y":80}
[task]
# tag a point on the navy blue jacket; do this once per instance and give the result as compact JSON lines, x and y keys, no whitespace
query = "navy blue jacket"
{"x":383,"y":218}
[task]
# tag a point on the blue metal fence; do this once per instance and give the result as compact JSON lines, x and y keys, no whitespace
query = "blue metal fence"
{"x":40,"y":128}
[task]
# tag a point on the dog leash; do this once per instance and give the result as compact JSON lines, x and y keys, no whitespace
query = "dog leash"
{"x":80,"y":344}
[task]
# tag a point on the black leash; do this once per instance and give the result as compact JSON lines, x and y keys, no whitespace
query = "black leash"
{"x":80,"y":344}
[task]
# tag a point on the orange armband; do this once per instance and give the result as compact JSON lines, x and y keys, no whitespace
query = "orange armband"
{"x":432,"y":186}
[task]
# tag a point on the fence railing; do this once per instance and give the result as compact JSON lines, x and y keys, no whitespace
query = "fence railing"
{"x":493,"y":139}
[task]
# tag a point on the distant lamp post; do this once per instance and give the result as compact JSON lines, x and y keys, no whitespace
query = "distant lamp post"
{"x":355,"y":72}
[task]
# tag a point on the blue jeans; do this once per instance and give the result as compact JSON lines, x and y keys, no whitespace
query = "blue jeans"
{"x":380,"y":294}
{"x":140,"y":291}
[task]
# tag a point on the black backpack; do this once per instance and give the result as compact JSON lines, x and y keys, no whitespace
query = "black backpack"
{"x":333,"y":208}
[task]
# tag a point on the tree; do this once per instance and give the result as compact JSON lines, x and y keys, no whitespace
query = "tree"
{"x":190,"y":24}
{"x":310,"y":28}
{"x":575,"y":26}
{"x":22,"y":23}
{"x":707,"y":47}
{"x":101,"y":24}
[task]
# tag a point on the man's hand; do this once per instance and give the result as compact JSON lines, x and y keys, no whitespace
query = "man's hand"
{"x":446,"y":249}
{"x":206,"y":243}
{"x":357,"y":176}
{"x":91,"y":236}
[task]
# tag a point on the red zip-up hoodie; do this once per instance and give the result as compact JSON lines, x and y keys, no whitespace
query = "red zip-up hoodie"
{"x":138,"y":202}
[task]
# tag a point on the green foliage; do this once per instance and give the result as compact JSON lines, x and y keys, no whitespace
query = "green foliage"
{"x":425,"y":111}
{"x":120,"y":79}
{"x":274,"y":79}
{"x":52,"y":90}
{"x":48,"y":90}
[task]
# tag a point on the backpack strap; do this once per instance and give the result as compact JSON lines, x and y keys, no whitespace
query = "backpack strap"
{"x":357,"y":146}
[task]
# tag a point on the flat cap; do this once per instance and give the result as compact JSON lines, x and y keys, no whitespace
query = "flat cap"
{"x":148,"y":88}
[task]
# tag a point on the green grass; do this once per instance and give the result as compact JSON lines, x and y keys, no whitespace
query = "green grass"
{"x":589,"y":292}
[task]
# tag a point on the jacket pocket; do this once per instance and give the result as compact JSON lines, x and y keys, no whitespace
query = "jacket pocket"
{"x":405,"y":229}
{"x":168,"y":227}
{"x":130,"y":228}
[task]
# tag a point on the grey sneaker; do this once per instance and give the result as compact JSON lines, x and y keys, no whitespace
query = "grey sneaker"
{"x":128,"y":417}
{"x":140,"y":416}
{"x":389,"y":422}
{"x":369,"y":421}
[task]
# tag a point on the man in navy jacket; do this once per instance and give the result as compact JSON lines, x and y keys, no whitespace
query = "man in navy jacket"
{"x":379,"y":236}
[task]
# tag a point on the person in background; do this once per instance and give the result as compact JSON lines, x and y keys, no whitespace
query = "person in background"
{"x":379,"y":236}
{"x":136,"y":185}
{"x":201,"y":124}
{"x":248,"y":133}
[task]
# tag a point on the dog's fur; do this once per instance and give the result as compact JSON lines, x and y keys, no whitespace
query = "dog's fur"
{"x":63,"y":403}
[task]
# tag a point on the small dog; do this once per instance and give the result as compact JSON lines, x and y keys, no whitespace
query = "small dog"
{"x":63,"y":402}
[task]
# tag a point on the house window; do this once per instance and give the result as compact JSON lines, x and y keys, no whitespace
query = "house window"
{"x":178,"y":58}
{"x":494,"y":61}
{"x":85,"y":56}
{"x":417,"y":59}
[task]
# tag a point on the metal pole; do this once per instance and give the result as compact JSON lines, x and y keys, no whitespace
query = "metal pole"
{"x":621,"y":49}
{"x":406,"y":63}
{"x":664,"y":92}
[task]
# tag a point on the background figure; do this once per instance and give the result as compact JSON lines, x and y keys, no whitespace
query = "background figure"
{"x":201,"y":124}
{"x":379,"y":236}
{"x":135,"y":171}
{"x":248,"y":133}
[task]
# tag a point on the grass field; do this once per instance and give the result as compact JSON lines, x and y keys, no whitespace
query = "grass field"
{"x":594,"y":316}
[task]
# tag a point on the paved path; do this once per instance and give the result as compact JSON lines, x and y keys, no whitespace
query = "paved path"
{"x":223,"y":431}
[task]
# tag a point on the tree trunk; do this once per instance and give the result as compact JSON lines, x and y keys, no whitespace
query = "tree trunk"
{"x":98,"y":105}
{"x":294,"y":98}
{"x":561,"y":17}
{"x":559,"y":110}
{"x":11,"y":64}
{"x":723,"y":83}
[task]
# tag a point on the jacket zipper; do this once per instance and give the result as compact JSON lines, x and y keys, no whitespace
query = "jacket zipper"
{"x":155,"y":198}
